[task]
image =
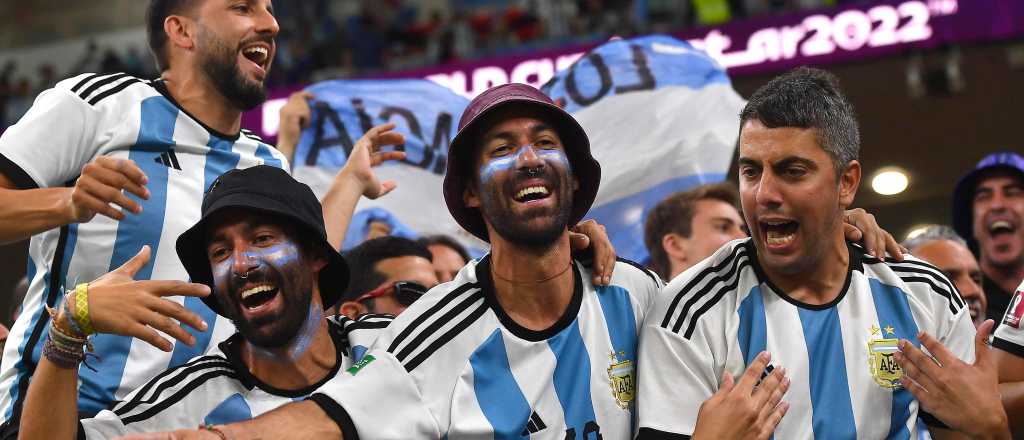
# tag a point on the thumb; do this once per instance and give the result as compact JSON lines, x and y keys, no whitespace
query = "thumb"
{"x":981,"y":350}
{"x":136,"y":263}
{"x":578,"y":241}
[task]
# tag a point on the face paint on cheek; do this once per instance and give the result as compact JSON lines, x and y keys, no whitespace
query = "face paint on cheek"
{"x":495,"y":166}
{"x":556,"y":157}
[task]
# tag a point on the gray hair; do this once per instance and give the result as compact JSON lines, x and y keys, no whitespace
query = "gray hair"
{"x":932,"y":233}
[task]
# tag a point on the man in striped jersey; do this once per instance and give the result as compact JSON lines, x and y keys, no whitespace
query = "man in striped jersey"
{"x":826,"y":311}
{"x":262,"y":249}
{"x":140,"y":154}
{"x":522,"y":343}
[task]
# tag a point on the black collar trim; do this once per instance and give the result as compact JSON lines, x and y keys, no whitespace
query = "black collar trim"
{"x":483,"y":275}
{"x":855,"y":264}
{"x":161,"y":87}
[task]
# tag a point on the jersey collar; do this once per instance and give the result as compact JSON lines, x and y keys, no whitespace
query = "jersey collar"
{"x":483,"y":275}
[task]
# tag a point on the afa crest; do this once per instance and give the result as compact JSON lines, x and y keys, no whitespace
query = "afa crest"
{"x":622,"y":376}
{"x":882,"y":363}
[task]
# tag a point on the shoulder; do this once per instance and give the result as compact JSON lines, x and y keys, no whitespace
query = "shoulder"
{"x":633,"y":273}
{"x":95,"y":89}
{"x":177,"y":385}
{"x":362,"y":331}
{"x":691,"y":294}
{"x":919,"y":280}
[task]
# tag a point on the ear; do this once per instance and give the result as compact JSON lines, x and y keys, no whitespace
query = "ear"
{"x":849,"y":181}
{"x":353,"y":309}
{"x":180,"y":32}
{"x":470,"y":196}
{"x":674,"y":246}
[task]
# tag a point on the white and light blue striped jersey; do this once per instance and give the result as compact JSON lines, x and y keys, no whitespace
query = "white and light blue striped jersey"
{"x":70,"y":125}
{"x":218,"y":388}
{"x":718,"y":315}
{"x":1009,"y":336}
{"x":455,"y":365}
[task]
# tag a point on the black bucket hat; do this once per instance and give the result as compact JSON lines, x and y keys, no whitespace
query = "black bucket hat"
{"x":270,"y":190}
{"x":963,"y":195}
{"x":461,"y":151}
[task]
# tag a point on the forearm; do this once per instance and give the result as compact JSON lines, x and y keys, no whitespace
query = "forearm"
{"x":1013,"y":402}
{"x":51,"y":407}
{"x":24,"y":213}
{"x":339,"y":203}
{"x":286,"y":143}
{"x":296,"y":421}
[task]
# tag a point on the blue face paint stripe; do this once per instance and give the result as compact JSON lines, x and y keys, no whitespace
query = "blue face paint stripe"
{"x":220,"y":159}
{"x":572,"y":377}
{"x":753,"y":331}
{"x":496,"y":389}
{"x":830,"y":391}
{"x":231,"y":410}
{"x":621,"y":322}
{"x":893,"y":310}
{"x":508,"y":163}
{"x":156,"y":135}
{"x":263,"y":152}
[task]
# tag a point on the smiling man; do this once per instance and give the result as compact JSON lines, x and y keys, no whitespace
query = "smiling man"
{"x":261,"y":248}
{"x":827,"y":312}
{"x":942,"y":247}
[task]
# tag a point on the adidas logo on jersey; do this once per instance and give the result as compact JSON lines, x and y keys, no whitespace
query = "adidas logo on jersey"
{"x":534,"y":426}
{"x":168,"y":159}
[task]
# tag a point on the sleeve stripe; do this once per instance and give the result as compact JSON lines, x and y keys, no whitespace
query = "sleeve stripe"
{"x":1008,"y":346}
{"x":103,"y":82}
{"x":114,"y":90}
{"x":934,"y":272}
{"x":337,"y":413}
{"x":447,"y":337}
{"x":16,"y":174}
{"x":714,"y":300}
{"x":654,"y":434}
{"x":84,"y":81}
{"x":657,"y":280}
{"x":934,"y":287}
{"x":459,"y":291}
{"x":436,"y":325}
{"x":739,"y":250}
{"x":176,"y":376}
{"x":179,"y":395}
{"x":736,"y":264}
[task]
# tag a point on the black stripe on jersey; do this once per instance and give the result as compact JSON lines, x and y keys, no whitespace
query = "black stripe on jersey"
{"x":738,"y":263}
{"x":925,"y":268}
{"x":654,"y":434}
{"x":180,"y":373}
{"x":55,"y":285}
{"x":657,"y":280}
{"x":714,"y":300}
{"x":103,"y":82}
{"x":448,"y":336}
{"x":449,"y":316}
{"x":249,"y":134}
{"x":177,"y":396}
{"x":16,"y":174}
{"x":935,"y":287}
{"x":430,"y":312}
{"x":95,"y":100}
{"x":85,"y":81}
{"x":696,"y":280}
{"x":1008,"y":346}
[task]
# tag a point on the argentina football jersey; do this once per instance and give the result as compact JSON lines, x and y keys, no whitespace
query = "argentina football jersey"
{"x":119,"y":116}
{"x":217,"y":388}
{"x":454,"y":365}
{"x":845,"y":383}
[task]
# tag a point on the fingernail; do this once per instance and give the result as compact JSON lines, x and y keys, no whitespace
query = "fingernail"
{"x":785,"y":382}
{"x":902,"y":344}
{"x":202,"y":325}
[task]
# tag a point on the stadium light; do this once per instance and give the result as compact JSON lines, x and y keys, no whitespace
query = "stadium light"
{"x":889,"y":181}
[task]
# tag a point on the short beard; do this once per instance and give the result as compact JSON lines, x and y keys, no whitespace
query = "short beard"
{"x":297,"y":300}
{"x":515,"y":230}
{"x":220,"y":64}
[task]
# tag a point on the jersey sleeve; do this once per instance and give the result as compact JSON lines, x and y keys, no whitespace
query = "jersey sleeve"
{"x":956,"y":332}
{"x":51,"y":143}
{"x":675,"y":376}
{"x":377,"y":399}
{"x":1009,"y":337}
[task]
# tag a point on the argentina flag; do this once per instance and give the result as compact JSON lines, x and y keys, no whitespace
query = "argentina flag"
{"x":661,"y":116}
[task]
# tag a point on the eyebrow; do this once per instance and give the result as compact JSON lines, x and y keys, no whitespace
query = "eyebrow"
{"x":535,"y":130}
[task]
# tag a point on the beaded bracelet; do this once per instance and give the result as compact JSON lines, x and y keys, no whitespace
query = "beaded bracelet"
{"x":61,"y":358}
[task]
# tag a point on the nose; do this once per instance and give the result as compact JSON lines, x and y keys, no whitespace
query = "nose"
{"x":266,"y":22}
{"x":527,"y":158}
{"x":767,"y":191}
{"x":244,"y":262}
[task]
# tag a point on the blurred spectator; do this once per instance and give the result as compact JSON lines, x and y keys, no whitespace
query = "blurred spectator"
{"x":689,"y":226}
{"x":942,"y":247}
{"x":18,"y":101}
{"x":988,"y":207}
{"x":448,"y":256}
{"x":386,"y":275}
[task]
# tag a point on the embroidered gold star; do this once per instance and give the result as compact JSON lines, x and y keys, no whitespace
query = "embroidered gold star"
{"x":890,"y":330}
{"x":875,"y":330}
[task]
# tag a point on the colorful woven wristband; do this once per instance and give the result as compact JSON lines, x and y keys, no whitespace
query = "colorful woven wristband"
{"x":81,"y":317}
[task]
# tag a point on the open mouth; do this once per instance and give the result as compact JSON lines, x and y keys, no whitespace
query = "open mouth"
{"x":779,"y":233}
{"x":532,"y":193}
{"x":256,"y":296}
{"x":999,"y":227}
{"x":258,"y":53}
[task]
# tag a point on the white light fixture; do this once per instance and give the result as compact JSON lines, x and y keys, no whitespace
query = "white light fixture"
{"x":889,"y":181}
{"x":916,"y":230}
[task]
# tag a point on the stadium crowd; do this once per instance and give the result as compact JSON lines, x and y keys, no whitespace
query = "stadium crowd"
{"x":183,"y":285}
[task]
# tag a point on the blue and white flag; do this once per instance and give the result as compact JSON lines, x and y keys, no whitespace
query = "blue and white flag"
{"x":425,"y":112}
{"x":661,"y":116}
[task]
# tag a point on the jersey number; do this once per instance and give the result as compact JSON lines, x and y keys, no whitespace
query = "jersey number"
{"x":590,"y":428}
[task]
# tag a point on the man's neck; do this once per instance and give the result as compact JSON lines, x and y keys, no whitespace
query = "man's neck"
{"x":309,"y":357}
{"x":534,"y":286}
{"x":1007,"y":277}
{"x":819,"y":283}
{"x":195,"y":93}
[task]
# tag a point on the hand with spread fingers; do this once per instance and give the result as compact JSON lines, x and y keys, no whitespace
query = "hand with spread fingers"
{"x":590,"y":239}
{"x":367,"y":154}
{"x":748,"y":409}
{"x":295,"y":116}
{"x":118,"y":304}
{"x":963,"y":396}
{"x":861,"y":226}
{"x":104,"y":182}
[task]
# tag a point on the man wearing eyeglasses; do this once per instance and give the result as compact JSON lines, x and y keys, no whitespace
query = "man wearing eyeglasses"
{"x":388,"y":274}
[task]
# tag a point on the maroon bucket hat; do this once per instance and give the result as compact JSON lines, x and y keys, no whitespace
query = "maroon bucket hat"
{"x":461,"y":152}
